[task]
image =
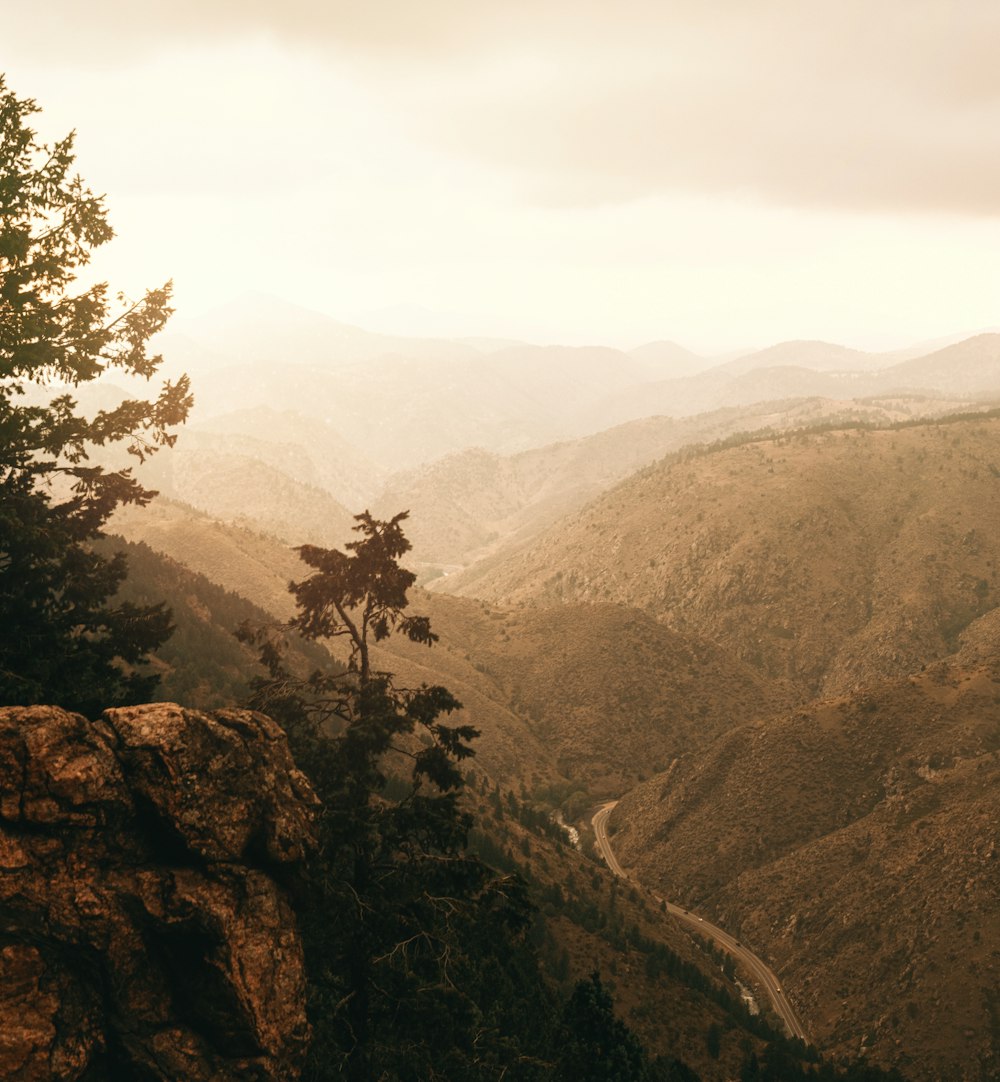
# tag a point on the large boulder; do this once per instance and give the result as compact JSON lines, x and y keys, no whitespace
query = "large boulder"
{"x":145,"y":925}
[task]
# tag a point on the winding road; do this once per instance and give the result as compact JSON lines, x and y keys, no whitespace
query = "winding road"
{"x":762,"y":975}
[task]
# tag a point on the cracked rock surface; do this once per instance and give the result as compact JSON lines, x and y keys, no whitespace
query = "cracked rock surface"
{"x":145,"y":931}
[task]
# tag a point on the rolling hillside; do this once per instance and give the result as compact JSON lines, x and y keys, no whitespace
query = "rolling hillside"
{"x":607,"y":694}
{"x":827,"y":559}
{"x":854,"y":840}
{"x":470,"y":505}
{"x":563,"y":697}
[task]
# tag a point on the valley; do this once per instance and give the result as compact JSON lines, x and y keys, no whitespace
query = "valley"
{"x":762,"y":976}
{"x":765,"y":635}
{"x":500,"y":558}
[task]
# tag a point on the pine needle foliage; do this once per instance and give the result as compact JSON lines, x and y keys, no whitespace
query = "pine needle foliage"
{"x":65,"y":641}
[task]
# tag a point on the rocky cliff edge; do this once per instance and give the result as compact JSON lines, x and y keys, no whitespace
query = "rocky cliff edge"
{"x":145,"y":931}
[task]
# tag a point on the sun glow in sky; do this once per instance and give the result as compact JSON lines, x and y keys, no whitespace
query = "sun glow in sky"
{"x":723,"y":175}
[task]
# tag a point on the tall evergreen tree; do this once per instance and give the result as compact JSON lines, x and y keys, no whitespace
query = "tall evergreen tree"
{"x":408,"y":937}
{"x":64,"y":640}
{"x":597,"y":1046}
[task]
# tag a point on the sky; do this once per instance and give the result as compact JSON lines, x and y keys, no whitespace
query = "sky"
{"x":725,"y":174}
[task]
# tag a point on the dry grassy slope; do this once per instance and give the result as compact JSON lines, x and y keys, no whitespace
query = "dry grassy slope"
{"x":817,"y":356}
{"x":855,"y":841}
{"x":665,"y":359}
{"x":829,"y":559}
{"x":307,"y":449}
{"x":466,"y":505}
{"x":610,"y":695}
{"x":251,"y":564}
{"x":669,"y":1015}
{"x":243,"y":488}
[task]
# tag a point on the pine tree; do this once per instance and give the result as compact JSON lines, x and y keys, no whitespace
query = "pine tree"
{"x":409,"y":938}
{"x":65,"y":641}
{"x":597,"y":1046}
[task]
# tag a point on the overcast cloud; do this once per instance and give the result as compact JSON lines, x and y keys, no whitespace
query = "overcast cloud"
{"x":893,"y":105}
{"x":721,"y":172}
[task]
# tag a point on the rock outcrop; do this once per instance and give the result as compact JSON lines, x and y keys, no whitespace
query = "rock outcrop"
{"x":145,"y":927}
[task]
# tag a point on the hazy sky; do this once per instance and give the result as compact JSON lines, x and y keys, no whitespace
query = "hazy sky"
{"x":717,"y":172}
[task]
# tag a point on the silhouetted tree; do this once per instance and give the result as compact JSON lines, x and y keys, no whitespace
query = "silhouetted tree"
{"x":400,"y":922}
{"x":597,"y":1046}
{"x":64,"y":641}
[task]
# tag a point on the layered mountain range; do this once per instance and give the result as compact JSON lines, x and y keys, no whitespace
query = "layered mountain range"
{"x":826,"y":559}
{"x":756,"y":600}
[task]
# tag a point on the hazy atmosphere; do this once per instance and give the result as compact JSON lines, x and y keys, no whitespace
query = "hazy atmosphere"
{"x":524,"y":604}
{"x":723,"y":175}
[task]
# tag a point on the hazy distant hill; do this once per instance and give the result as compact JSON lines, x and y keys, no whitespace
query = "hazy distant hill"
{"x":807,"y":369}
{"x":471,"y":504}
{"x":398,"y":411}
{"x":665,"y":360}
{"x":968,"y":367}
{"x":404,"y":401}
{"x":828,"y":559}
{"x":397,"y":400}
{"x":932,"y":345}
{"x":240,"y":488}
{"x":816,"y":356}
{"x":855,"y":842}
{"x":260,"y":327}
{"x":307,"y":449}
{"x":719,"y":387}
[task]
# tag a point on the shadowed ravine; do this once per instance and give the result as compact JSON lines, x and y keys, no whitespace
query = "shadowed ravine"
{"x":764,"y":977}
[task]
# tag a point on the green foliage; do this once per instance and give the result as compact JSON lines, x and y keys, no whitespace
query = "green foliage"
{"x":776,"y":1065}
{"x":64,"y":642}
{"x":203,"y":666}
{"x":419,"y":965}
{"x":597,"y":1046}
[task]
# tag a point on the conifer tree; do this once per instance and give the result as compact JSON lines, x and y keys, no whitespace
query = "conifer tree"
{"x":65,"y":641}
{"x":597,"y":1046}
{"x":400,"y":923}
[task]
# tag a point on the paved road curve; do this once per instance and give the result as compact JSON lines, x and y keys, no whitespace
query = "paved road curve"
{"x":764,"y":976}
